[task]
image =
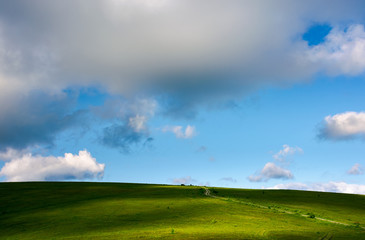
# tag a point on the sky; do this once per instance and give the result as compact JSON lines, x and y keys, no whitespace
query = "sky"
{"x":243,"y":94}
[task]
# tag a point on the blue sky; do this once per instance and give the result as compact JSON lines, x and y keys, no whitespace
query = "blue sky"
{"x":204,"y":93}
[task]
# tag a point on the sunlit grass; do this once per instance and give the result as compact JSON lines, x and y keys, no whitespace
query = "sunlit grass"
{"x":122,"y":211}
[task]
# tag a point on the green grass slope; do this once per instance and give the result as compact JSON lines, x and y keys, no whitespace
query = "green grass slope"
{"x":62,"y":210}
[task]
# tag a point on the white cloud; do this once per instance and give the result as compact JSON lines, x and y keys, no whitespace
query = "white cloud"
{"x":11,"y":153}
{"x":285,"y":152}
{"x":189,"y":132}
{"x":356,"y":170}
{"x":343,"y":52}
{"x":40,"y":168}
{"x":343,"y":126}
{"x":340,"y":187}
{"x":183,"y":180}
{"x":138,"y":123}
{"x":179,"y":131}
{"x":270,"y":171}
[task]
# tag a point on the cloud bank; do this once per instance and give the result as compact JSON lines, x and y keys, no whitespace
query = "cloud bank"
{"x":340,"y":187}
{"x":28,"y":167}
{"x":183,"y":180}
{"x":178,"y":52}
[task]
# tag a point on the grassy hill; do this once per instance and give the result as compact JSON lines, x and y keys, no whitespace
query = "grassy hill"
{"x":63,"y":210}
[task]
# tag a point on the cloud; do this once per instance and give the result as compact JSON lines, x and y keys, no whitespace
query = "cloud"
{"x":123,"y":137}
{"x":292,"y":186}
{"x":229,"y":179}
{"x":183,"y":180}
{"x":167,"y":48}
{"x":271,"y":171}
{"x":178,"y":53}
{"x":343,"y":126}
{"x":179,"y":131}
{"x":286,"y":152}
{"x":130,"y":118}
{"x":356,"y":170}
{"x":340,"y":187}
{"x":342,"y":52}
{"x":36,"y":119}
{"x":11,"y":153}
{"x":48,"y":168}
{"x":138,"y":123}
{"x":121,"y":108}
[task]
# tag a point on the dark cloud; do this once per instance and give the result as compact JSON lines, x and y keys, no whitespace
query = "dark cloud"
{"x":128,"y":118}
{"x":37,"y":118}
{"x":177,"y":52}
{"x":177,"y":48}
{"x":124,"y":137}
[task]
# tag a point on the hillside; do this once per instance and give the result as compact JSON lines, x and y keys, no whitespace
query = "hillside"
{"x":76,"y":210}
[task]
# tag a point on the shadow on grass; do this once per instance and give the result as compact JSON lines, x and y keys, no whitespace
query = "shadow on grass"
{"x":27,"y":207}
{"x":24,"y":197}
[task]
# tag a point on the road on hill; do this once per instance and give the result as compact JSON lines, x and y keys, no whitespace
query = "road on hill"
{"x":208,"y":193}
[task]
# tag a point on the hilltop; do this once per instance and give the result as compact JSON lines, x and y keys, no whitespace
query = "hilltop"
{"x":78,"y":210}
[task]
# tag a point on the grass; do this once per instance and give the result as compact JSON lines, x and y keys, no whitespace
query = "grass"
{"x":62,"y":210}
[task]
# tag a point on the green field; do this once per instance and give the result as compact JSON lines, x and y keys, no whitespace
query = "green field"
{"x":76,"y":210}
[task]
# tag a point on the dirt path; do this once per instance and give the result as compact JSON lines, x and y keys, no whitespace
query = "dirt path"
{"x":208,"y":194}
